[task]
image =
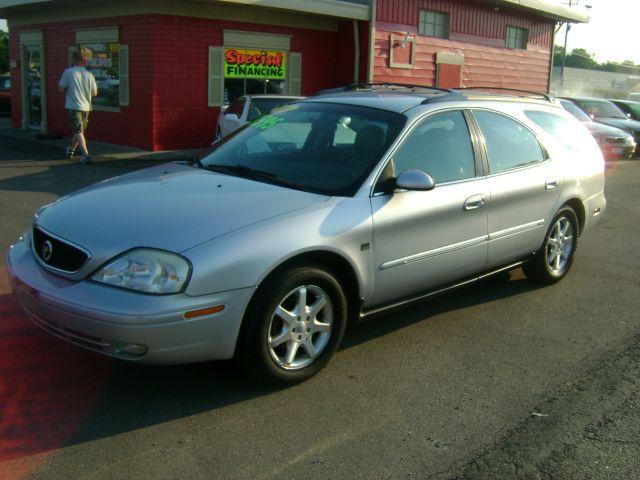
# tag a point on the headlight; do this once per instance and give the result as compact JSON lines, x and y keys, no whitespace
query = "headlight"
{"x":146,"y":270}
{"x":626,"y":140}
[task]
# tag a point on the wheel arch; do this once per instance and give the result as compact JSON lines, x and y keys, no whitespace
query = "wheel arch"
{"x":337,"y":264}
{"x":578,"y":207}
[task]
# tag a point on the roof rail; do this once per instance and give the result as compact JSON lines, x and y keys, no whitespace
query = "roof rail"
{"x":354,"y":87}
{"x":544,"y":96}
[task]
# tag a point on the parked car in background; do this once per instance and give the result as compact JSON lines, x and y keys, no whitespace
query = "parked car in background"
{"x":614,"y":143}
{"x":5,"y":93}
{"x":603,"y":111}
{"x":336,"y":208}
{"x":632,"y":109}
{"x":247,"y":109}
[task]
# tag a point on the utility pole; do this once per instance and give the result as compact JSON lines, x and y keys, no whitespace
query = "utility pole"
{"x":564,"y":57}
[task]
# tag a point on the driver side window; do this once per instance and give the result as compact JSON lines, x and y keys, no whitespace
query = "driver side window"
{"x":440,"y":146}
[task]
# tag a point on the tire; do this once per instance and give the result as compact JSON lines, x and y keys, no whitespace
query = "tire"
{"x":273,"y":330}
{"x":545,"y":267}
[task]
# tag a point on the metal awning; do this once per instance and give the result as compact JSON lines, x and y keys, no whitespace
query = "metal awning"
{"x":351,"y":9}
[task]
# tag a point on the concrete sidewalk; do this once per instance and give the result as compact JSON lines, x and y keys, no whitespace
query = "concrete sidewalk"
{"x":98,"y":150}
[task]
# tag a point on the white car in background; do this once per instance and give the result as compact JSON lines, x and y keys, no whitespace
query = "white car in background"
{"x":247,"y":109}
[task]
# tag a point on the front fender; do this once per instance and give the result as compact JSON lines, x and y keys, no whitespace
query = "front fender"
{"x":243,"y":258}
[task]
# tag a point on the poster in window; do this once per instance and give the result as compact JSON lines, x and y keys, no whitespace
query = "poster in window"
{"x":259,"y":64}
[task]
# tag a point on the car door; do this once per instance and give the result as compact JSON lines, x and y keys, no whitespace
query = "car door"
{"x":423,"y":239}
{"x":231,"y":119}
{"x":524,"y":185}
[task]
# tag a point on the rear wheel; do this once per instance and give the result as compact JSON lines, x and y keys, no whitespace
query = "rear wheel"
{"x":555,"y":257}
{"x":293,"y":326}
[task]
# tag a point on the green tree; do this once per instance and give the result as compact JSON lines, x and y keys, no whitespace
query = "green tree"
{"x":558,"y":55}
{"x":4,"y":51}
{"x":580,"y":58}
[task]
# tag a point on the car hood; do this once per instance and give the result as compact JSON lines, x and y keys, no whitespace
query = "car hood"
{"x":624,"y":124}
{"x":602,"y":130}
{"x":171,"y":207}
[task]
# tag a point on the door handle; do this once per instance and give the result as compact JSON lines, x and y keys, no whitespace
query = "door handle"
{"x":474,"y":202}
{"x":551,"y":183}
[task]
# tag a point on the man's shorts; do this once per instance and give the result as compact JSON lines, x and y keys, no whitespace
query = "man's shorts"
{"x":78,"y":121}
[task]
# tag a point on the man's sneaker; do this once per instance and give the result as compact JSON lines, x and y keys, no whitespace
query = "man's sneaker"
{"x":85,"y":159}
{"x":70,"y":153}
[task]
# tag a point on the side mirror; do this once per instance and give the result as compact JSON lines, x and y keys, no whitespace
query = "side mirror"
{"x":415,"y":180}
{"x":629,"y":115}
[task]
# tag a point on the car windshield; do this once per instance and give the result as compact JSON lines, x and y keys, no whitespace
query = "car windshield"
{"x":319,"y":147}
{"x":601,"y":108}
{"x":261,"y":106}
{"x":574,"y":110}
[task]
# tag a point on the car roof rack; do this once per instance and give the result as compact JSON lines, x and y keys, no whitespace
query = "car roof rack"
{"x":529,"y":93}
{"x":383,"y":86}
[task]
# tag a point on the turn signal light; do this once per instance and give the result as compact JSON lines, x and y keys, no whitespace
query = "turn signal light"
{"x":203,"y":311}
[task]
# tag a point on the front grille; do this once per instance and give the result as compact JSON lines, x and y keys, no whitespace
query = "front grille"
{"x":57,"y":253}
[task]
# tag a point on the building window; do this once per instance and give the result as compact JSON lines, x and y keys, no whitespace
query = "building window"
{"x":517,"y":38}
{"x":434,"y":24}
{"x":103,"y":61}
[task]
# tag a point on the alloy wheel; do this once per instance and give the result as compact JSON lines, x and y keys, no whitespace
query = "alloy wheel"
{"x":560,"y":246}
{"x":300,"y":327}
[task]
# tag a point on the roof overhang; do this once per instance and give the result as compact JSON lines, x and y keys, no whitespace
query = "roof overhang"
{"x":544,"y":8}
{"x":332,"y":8}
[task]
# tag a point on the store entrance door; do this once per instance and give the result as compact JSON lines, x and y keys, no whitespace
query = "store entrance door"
{"x":34,"y":85}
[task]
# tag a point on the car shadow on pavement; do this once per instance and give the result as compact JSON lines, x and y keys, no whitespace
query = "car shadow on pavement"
{"x":54,"y":394}
{"x":498,"y":287}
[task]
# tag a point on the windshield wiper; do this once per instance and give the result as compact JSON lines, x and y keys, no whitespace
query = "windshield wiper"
{"x":252,"y":173}
{"x":195,"y":161}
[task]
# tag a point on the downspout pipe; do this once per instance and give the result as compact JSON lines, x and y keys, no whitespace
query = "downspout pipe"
{"x":372,"y":40}
{"x":356,"y":52}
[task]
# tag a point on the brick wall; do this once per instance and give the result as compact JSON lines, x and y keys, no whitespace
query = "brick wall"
{"x":131,"y":126}
{"x":168,"y":84}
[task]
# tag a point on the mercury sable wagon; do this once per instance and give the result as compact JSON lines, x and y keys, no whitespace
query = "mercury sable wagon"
{"x":337,"y":207}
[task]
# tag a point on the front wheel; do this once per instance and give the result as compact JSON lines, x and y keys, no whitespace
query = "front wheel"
{"x":293,"y":326}
{"x":554,"y":258}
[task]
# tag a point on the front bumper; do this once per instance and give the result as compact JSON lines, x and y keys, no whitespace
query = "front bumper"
{"x":99,"y":317}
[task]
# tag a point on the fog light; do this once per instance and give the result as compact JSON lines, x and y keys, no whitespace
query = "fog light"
{"x":121,"y":348}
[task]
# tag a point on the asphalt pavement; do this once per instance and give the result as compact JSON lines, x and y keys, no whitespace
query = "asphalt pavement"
{"x":501,"y":379}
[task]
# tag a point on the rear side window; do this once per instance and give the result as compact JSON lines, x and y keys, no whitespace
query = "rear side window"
{"x":440,"y":146}
{"x":509,"y":143}
{"x":569,"y":133}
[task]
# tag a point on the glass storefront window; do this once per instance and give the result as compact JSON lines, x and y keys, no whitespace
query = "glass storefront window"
{"x":101,"y":59}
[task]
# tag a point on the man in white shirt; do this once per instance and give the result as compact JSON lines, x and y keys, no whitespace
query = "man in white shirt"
{"x":79,"y":86}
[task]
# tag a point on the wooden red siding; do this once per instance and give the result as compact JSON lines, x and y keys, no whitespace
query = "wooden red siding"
{"x":468,"y":18}
{"x":478,"y":32}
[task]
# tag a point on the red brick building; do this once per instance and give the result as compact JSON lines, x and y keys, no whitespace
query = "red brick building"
{"x":165,"y":68}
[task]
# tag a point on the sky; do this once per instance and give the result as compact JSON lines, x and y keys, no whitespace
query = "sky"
{"x":609,"y":34}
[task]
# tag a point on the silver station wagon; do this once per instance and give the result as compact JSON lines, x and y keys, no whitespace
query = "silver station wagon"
{"x":331,"y":209}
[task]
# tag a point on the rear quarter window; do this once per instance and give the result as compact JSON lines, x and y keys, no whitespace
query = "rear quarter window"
{"x":571,"y":134}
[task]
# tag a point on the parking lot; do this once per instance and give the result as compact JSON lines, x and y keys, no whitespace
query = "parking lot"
{"x":501,"y":379}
